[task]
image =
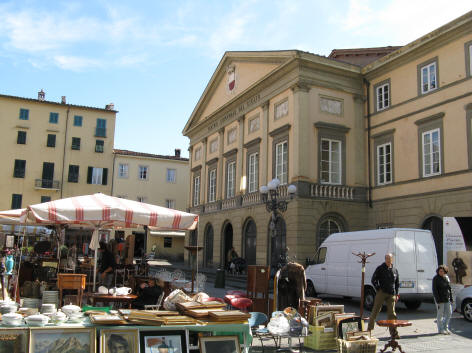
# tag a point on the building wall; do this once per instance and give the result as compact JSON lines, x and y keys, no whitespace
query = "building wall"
{"x":35,"y":151}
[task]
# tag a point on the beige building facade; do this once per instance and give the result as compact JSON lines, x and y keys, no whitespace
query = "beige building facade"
{"x":159,"y":180}
{"x":386,"y":143}
{"x":53,"y":150}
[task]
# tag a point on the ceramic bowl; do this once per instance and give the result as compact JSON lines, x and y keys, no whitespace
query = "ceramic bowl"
{"x":70,"y":309}
{"x":37,"y":320}
{"x":12,"y":319}
{"x":59,"y":317}
{"x":8,"y":307}
{"x":76,"y":317}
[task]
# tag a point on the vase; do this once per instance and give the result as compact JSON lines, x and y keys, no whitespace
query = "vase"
{"x":9,"y":264}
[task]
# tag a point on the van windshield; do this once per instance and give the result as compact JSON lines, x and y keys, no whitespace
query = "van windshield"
{"x":320,"y":256}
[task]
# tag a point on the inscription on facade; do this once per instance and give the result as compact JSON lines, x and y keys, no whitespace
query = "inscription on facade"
{"x":241,"y":109}
{"x":331,"y":105}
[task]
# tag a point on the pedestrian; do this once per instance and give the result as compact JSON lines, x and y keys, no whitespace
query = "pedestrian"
{"x":386,"y":282}
{"x":443,"y":298}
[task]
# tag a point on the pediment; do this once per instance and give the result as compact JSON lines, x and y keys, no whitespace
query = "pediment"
{"x":236,"y":72}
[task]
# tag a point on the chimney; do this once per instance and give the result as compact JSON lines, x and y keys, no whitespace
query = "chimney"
{"x":41,"y":95}
{"x":177,"y":152}
{"x":63,"y":99}
{"x":110,"y":106}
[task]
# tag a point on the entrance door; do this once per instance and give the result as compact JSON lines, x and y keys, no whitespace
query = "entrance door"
{"x":435,"y":225}
{"x":228,"y":242}
{"x":278,"y":243}
{"x":48,"y":175}
{"x":208,"y":249}
{"x":250,"y":234}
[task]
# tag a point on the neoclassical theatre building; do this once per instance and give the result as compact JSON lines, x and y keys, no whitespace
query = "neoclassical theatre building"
{"x":376,"y":137}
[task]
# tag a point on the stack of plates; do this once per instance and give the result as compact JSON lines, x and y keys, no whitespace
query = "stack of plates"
{"x":48,"y":309}
{"x":31,"y":303}
{"x":51,"y":297}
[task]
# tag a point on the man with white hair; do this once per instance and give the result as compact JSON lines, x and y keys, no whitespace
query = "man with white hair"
{"x":386,"y":283}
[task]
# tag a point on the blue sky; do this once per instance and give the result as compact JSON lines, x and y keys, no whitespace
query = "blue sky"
{"x":153,"y":59}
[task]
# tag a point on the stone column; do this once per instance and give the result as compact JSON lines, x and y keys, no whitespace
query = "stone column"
{"x":239,"y":157}
{"x":219,"y":171}
{"x":264,"y":157}
{"x":300,"y":152}
{"x":203,"y":175}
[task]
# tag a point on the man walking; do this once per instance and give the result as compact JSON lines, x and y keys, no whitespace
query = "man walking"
{"x":386,"y":283}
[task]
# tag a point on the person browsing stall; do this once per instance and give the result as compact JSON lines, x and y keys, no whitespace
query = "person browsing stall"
{"x":107,"y":265}
{"x":443,"y":298}
{"x":386,"y":282}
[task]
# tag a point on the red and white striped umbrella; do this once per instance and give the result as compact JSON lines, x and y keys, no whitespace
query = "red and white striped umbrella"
{"x":103,"y":211}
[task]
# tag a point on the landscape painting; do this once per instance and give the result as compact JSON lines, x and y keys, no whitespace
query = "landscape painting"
{"x":74,"y":340}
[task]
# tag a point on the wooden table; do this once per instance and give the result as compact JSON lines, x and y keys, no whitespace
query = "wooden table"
{"x":71,"y":281}
{"x":393,"y":324}
{"x":108,"y":298}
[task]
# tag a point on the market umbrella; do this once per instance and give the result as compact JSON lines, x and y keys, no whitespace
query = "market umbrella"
{"x":106,"y":212}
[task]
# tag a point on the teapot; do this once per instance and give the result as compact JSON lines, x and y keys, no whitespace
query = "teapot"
{"x":120,"y":291}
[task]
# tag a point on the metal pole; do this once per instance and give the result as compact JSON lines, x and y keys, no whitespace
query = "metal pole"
{"x":363,"y":256}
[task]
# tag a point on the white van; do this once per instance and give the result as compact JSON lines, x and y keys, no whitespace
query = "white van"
{"x":336,"y":271}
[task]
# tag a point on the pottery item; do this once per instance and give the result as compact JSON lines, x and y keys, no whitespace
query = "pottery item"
{"x":37,"y":320}
{"x":48,"y":308}
{"x":76,"y":317}
{"x":59,"y":317}
{"x":70,"y":309}
{"x":120,"y":291}
{"x":103,"y":290}
{"x":12,"y":319}
{"x":9,"y":264}
{"x":8,"y":307}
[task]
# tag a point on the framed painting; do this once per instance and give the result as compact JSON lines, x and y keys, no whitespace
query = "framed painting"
{"x":220,"y":344}
{"x":162,"y":341}
{"x":60,"y":340}
{"x":122,"y":341}
{"x":13,"y":340}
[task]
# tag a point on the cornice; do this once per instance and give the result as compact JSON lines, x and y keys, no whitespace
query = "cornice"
{"x":230,"y":152}
{"x":383,"y":133}
{"x":196,"y":169}
{"x":252,"y":142}
{"x":280,"y":130}
{"x":429,"y":119}
{"x":212,"y":161}
{"x":331,"y":126}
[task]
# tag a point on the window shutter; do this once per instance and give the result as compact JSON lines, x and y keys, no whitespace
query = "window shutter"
{"x":105,"y":176}
{"x":89,"y":175}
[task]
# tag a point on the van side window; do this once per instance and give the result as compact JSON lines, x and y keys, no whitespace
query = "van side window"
{"x":320,"y":256}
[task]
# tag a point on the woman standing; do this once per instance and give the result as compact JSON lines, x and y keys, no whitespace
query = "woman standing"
{"x":443,"y":298}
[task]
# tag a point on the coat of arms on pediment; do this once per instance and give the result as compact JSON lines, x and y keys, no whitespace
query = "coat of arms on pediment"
{"x":231,"y":78}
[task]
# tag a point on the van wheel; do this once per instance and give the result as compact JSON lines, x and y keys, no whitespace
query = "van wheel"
{"x":310,"y":289}
{"x":412,"y":304}
{"x":369,"y":298}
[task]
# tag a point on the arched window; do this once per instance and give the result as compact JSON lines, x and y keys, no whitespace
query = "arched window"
{"x":328,"y":225}
{"x":250,"y":239}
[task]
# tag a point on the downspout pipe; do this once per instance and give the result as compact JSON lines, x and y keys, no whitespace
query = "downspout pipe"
{"x":369,"y":146}
{"x":64,"y":151}
{"x":113,"y":173}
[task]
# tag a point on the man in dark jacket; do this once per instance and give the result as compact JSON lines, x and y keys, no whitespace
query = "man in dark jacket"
{"x":386,"y":283}
{"x":107,"y":266}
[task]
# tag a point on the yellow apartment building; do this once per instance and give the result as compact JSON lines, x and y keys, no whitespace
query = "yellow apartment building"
{"x":159,"y":180}
{"x":375,"y":137}
{"x":53,"y":150}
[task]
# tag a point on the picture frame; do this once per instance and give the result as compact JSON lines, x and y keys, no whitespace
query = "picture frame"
{"x":156,"y":341}
{"x":14,"y":340}
{"x":219,"y":344}
{"x":49,"y":340}
{"x":120,"y":340}
{"x":321,"y":309}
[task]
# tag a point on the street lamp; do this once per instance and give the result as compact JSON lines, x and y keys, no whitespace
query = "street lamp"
{"x":270,"y":196}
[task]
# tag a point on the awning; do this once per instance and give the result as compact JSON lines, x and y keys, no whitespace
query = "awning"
{"x":167,"y":233}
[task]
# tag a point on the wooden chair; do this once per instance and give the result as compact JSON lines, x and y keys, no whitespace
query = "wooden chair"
{"x":75,"y":281}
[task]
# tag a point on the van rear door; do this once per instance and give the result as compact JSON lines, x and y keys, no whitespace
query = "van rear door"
{"x":405,"y":260}
{"x":426,"y":261}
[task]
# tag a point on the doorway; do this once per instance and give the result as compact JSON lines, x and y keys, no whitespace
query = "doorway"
{"x":208,"y":248}
{"x":278,"y":243}
{"x":435,"y":225}
{"x":250,"y":237}
{"x":227,"y":242}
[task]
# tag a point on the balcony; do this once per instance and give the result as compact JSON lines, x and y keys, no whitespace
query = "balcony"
{"x":47,"y":184}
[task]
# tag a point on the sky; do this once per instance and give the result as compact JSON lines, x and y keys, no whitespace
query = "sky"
{"x":154,"y":58}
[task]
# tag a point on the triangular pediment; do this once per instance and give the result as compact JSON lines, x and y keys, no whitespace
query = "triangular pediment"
{"x":236,"y":72}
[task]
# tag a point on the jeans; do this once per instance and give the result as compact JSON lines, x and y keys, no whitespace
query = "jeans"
{"x":380,"y":299}
{"x":444,"y":315}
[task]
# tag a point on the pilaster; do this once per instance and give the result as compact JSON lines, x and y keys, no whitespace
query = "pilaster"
{"x":203,"y":178}
{"x":264,"y":158}
{"x":302,"y":132}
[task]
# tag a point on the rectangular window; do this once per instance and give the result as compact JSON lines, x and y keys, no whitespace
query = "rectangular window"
{"x":77,"y":120}
{"x":383,"y":96}
{"x":99,"y":146}
{"x":384,"y":164}
{"x":141,"y":198}
{"x":281,"y":109}
{"x":212,"y":185}
{"x":230,"y":179}
{"x":281,"y":167}
{"x":196,"y":191}
{"x":330,"y":161}
{"x":76,"y":143}
{"x":16,"y":201}
{"x":143,"y":172}
{"x":19,"y":169}
{"x":51,"y":140}
{"x":53,"y":118}
{"x":253,"y":172}
{"x":45,"y":199}
{"x":170,"y":203}
{"x":428,"y":77}
{"x":123,"y":170}
{"x":24,"y":114}
{"x":167,"y":242}
{"x":171,"y":175}
{"x":431,"y":153}
{"x":21,"y":138}
{"x":97,"y":176}
{"x":101,"y":130}
{"x":73,"y":174}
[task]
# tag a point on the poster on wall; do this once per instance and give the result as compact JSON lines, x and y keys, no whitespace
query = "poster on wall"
{"x":457,"y":250}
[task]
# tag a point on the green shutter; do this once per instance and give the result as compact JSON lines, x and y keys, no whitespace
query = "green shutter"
{"x":105,"y":176}
{"x":89,"y":175}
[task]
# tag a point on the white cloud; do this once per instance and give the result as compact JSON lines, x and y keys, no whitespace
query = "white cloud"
{"x":75,"y":63}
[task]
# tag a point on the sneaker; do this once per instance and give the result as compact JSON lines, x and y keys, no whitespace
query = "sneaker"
{"x":448,"y":332}
{"x":442,"y":333}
